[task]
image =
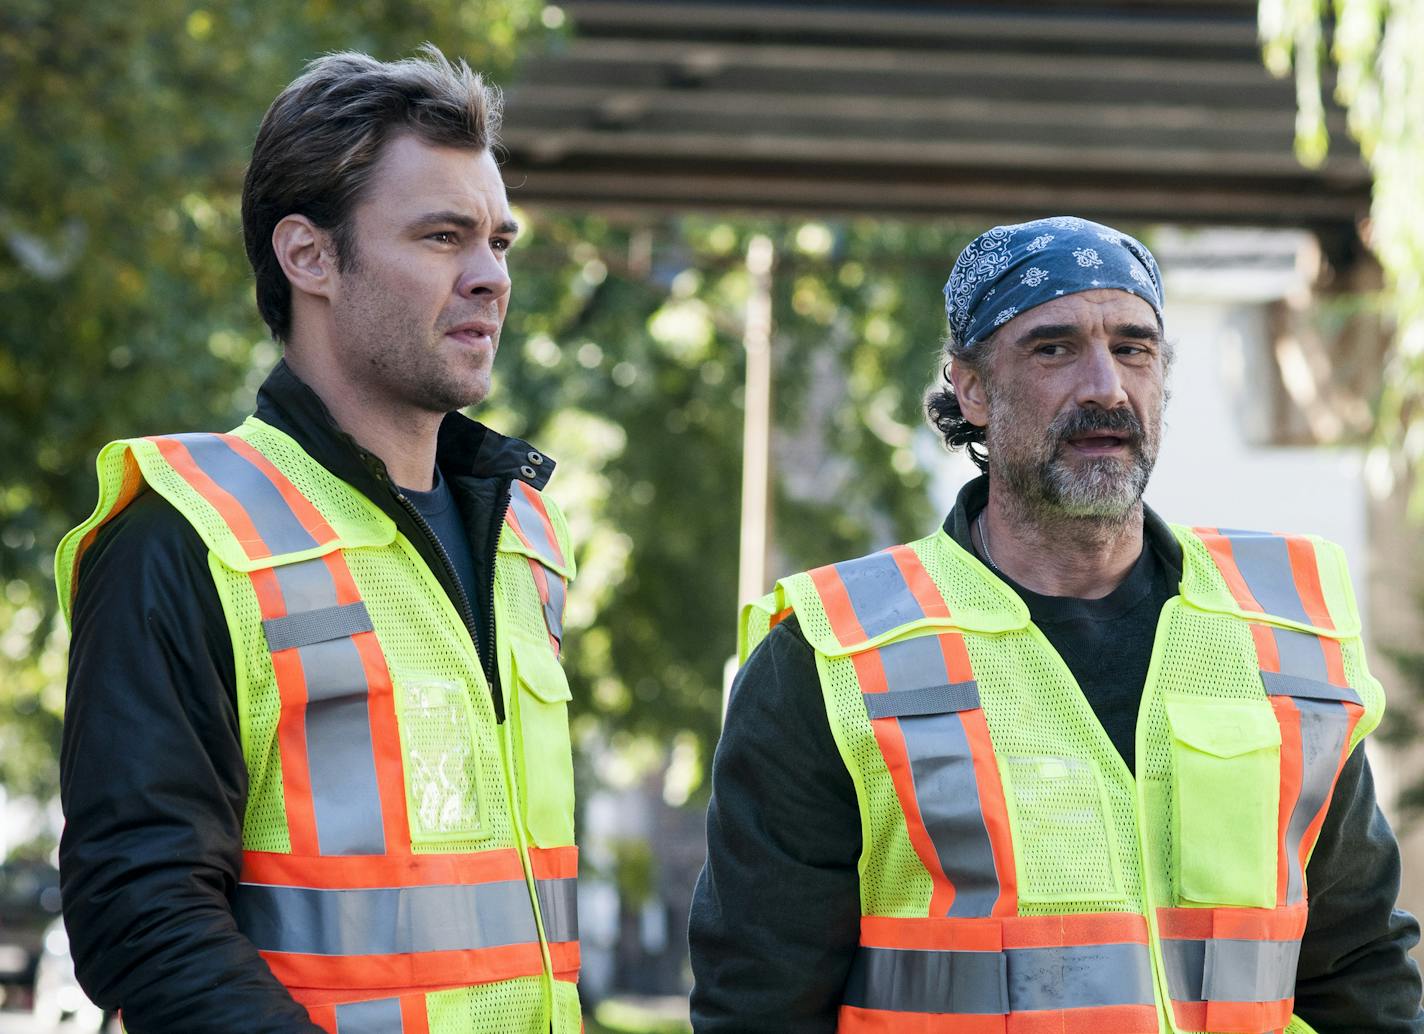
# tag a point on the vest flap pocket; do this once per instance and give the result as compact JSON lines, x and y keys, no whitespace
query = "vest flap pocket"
{"x":539,"y":671}
{"x":541,"y":728}
{"x":1226,"y":775}
{"x":1224,"y":728}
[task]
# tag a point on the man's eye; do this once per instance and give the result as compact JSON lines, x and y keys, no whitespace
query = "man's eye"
{"x":499,"y":244}
{"x":443,"y":237}
{"x":1051,"y":349}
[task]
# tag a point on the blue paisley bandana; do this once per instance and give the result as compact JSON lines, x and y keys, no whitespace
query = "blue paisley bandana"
{"x":1010,"y":269}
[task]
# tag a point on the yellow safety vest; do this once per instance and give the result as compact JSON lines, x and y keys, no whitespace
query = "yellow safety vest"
{"x":1015,"y":877}
{"x":409,"y":862}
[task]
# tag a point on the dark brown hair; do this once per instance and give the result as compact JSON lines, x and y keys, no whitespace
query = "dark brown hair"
{"x":942,"y":405}
{"x":321,"y":138}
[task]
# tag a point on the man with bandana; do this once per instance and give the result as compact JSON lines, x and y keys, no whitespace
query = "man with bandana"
{"x":1059,"y":766}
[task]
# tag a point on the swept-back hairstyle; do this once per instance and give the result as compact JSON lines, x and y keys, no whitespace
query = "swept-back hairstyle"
{"x":320,"y":140}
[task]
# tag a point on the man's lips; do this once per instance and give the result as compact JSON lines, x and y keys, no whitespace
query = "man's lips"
{"x":474,"y":333}
{"x":1100,"y":444}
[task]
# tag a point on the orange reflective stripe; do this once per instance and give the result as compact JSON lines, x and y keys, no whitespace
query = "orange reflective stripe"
{"x":1292,"y":773}
{"x":992,"y":805}
{"x":1334,"y":661}
{"x":565,"y":960}
{"x":324,"y":1016}
{"x":554,"y":863}
{"x":920,"y":584}
{"x":340,"y":872}
{"x":941,"y":933}
{"x":1101,"y":1019}
{"x":1267,"y":654}
{"x":291,"y":725}
{"x":935,"y":933}
{"x":1063,"y":930}
{"x":1242,"y":924}
{"x":853,"y":1020}
{"x":891,"y":739}
{"x":1233,"y":1017}
{"x":836,"y":601}
{"x":414,"y":1017}
{"x":779,"y":617}
{"x":228,"y":508}
{"x":1219,"y":546}
{"x":429,"y":969}
{"x":1306,"y":572}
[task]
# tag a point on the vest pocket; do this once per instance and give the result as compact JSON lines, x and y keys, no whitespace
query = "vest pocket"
{"x":442,"y":759}
{"x":542,"y":725}
{"x":1064,"y":845}
{"x":1225,"y":801}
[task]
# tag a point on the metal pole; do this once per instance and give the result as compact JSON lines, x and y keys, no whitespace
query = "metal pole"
{"x":756,"y":436}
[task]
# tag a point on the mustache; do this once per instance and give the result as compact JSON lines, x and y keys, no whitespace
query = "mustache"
{"x":1079,"y":422}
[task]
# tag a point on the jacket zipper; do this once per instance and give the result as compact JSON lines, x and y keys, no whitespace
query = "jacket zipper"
{"x":461,"y":600}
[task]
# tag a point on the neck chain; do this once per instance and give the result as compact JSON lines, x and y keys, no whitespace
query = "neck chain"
{"x":984,"y":539}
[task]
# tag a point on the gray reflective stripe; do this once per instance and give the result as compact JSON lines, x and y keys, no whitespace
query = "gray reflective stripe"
{"x":274,"y":520}
{"x":1279,"y":685}
{"x":947,"y":792}
{"x":1300,"y":654}
{"x":1323,"y":728}
{"x":382,"y":1016}
{"x":1230,"y":970}
{"x":1184,"y":961}
{"x":1079,"y":976}
{"x":385,"y":921}
{"x":306,"y":585}
{"x":960,"y":696}
{"x":340,"y":757}
{"x":906,"y":980}
{"x":916,"y":663}
{"x":1249,"y":971}
{"x":998,"y":983}
{"x":558,"y":904}
{"x":531,"y":523}
{"x":878,"y":593}
{"x":306,"y":627}
{"x":1264,"y":562}
{"x":554,"y":609}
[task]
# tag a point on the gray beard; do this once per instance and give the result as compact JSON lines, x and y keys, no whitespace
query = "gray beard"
{"x":1104,"y":491}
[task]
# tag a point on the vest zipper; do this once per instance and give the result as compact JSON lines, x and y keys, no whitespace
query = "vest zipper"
{"x":462,"y":601}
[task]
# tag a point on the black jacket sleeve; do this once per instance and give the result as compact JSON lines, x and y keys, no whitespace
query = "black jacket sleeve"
{"x":1355,"y":974}
{"x":776,"y":912}
{"x":154,"y":786}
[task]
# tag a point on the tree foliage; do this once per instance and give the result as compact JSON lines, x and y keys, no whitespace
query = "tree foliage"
{"x":124,"y":129}
{"x":1377,"y":48}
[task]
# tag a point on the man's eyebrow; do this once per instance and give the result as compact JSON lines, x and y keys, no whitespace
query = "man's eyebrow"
{"x":465,"y":222}
{"x":1049,"y":331}
{"x":1141,"y":331}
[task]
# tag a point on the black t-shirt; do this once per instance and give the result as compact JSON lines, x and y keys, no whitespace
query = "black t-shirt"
{"x":1107,"y":642}
{"x":440,"y":512}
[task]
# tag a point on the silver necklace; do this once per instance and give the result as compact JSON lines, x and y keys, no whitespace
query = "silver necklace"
{"x":984,"y":539}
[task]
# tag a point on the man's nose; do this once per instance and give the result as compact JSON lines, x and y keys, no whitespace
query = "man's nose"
{"x":485,"y":276}
{"x":1100,"y":383}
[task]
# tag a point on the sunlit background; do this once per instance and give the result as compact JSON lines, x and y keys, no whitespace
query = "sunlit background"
{"x":740,"y":217}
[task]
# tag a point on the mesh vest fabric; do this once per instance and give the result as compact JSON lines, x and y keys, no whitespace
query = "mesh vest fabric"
{"x":1085,"y":842}
{"x":483,"y":795}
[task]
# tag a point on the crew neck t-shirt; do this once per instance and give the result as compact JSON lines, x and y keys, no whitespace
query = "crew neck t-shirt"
{"x":440,"y":512}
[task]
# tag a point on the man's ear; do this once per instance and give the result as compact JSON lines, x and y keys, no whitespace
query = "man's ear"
{"x":306,"y":254}
{"x":969,"y":390}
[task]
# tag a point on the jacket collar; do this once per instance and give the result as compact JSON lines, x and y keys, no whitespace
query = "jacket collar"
{"x":466,"y":448}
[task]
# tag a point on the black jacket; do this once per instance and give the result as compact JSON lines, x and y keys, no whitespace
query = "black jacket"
{"x":152,"y":776}
{"x":776,"y":912}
